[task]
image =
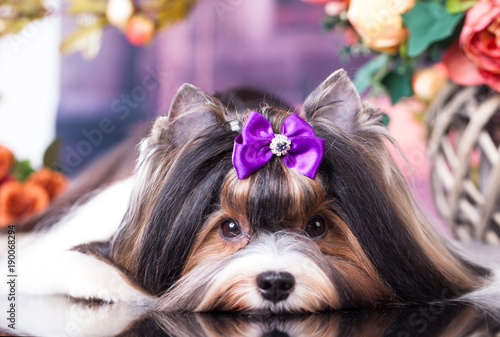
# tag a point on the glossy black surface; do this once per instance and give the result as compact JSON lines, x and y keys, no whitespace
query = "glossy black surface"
{"x":414,"y":321}
{"x":60,"y":316}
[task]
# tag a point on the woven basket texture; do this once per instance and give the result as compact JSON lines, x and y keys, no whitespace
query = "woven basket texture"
{"x":464,"y":129}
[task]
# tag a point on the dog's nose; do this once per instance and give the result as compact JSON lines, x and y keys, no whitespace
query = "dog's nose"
{"x":275,"y":286}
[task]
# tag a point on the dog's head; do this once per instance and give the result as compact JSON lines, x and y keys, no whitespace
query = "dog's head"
{"x":278,"y":240}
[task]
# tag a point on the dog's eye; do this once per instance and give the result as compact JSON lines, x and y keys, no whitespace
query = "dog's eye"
{"x":316,"y":227}
{"x":230,"y":229}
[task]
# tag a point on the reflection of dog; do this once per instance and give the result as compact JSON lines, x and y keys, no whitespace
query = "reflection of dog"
{"x":224,"y":214}
{"x":415,"y":321}
{"x":71,"y":318}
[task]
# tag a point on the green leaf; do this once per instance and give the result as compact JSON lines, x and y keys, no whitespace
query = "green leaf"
{"x":330,"y":22}
{"x":434,"y":53}
{"x":398,"y":84}
{"x":22,"y":169}
{"x":428,"y":22}
{"x":345,"y":53}
{"x":403,"y":49}
{"x":52,"y":153}
{"x":385,"y":119}
{"x":458,"y":6}
{"x":364,"y":77}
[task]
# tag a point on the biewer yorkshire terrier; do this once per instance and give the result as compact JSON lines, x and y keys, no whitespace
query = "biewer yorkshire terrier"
{"x":254,"y":208}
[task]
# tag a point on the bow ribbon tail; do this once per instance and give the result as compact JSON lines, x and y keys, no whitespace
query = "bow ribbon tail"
{"x":305,"y":155}
{"x":248,"y":158}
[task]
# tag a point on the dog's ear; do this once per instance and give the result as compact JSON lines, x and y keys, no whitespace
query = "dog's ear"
{"x":191,"y":112}
{"x":335,"y":100}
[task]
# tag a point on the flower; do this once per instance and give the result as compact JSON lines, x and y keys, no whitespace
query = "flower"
{"x":140,"y":30}
{"x":317,"y":2}
{"x":51,"y":181}
{"x":379,"y":22}
{"x":350,"y":36}
{"x":334,"y":8}
{"x":6,"y":178}
{"x":428,"y":81}
{"x":18,"y":201}
{"x":6,"y":161}
{"x":460,"y":68}
{"x":119,"y":11}
{"x":480,"y":40}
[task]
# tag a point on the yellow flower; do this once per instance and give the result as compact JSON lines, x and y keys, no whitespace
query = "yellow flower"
{"x":379,"y":22}
{"x":428,"y":82}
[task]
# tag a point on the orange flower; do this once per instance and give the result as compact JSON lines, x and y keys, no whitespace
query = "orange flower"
{"x":18,"y":201}
{"x":379,"y":23}
{"x":6,"y":161}
{"x":51,"y":181}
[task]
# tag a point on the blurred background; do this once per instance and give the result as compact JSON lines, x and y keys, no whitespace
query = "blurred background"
{"x":280,"y":46}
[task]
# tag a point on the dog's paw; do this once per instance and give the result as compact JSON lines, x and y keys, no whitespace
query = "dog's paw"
{"x":77,"y":275}
{"x":88,"y":293}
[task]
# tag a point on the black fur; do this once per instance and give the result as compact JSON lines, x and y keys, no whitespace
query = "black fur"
{"x":362,"y":203}
{"x":189,"y":195}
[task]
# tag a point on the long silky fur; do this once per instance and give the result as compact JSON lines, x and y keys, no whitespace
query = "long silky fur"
{"x":371,"y":195}
{"x":379,"y":249}
{"x":178,"y":185}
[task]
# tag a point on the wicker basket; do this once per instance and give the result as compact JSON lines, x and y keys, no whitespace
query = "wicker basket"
{"x":464,"y":125}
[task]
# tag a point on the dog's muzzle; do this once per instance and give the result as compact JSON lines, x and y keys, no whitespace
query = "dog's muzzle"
{"x":275,"y":286}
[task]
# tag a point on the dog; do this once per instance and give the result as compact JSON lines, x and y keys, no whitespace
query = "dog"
{"x":255,"y":208}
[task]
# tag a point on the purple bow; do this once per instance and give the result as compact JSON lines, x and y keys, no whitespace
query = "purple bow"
{"x":297,"y":143}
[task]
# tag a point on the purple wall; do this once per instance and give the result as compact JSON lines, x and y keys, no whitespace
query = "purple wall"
{"x":277,"y":46}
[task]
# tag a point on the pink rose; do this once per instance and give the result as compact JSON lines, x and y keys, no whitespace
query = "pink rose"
{"x":480,"y":40}
{"x":460,"y":68}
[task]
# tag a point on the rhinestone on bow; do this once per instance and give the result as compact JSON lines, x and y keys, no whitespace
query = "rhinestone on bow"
{"x":280,"y":145}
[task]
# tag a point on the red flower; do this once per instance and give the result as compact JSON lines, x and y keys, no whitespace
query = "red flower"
{"x":140,"y":30}
{"x":6,"y":179}
{"x":6,"y":161}
{"x":480,"y":40}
